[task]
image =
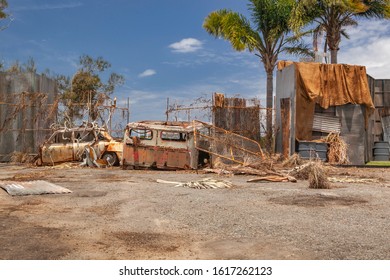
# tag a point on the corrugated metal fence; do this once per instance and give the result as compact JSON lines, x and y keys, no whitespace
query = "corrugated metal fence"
{"x":27,"y":109}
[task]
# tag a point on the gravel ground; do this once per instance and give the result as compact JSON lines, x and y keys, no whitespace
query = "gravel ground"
{"x":118,"y":214}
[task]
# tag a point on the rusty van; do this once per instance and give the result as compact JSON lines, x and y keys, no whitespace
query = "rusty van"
{"x":162,"y":145}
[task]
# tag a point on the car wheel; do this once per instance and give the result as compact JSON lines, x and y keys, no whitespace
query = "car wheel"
{"x":111,"y":158}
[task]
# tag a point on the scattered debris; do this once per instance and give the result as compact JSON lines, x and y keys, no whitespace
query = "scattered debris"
{"x":303,"y":171}
{"x":206,"y":183}
{"x":274,"y":178}
{"x":92,"y":160}
{"x":219,"y":171}
{"x":32,"y":188}
{"x":352,"y":180}
{"x":292,"y":161}
{"x":19,"y":157}
{"x":314,"y":171}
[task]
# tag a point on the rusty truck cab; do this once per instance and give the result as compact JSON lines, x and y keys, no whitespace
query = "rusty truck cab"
{"x":162,"y":145}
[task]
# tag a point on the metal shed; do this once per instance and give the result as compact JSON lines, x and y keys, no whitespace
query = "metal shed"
{"x":313,"y":99}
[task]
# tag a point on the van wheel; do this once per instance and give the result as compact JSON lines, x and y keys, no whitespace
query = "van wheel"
{"x":111,"y":158}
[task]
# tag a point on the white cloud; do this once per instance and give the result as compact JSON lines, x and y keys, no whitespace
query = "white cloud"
{"x":369,"y":45}
{"x":186,"y":45}
{"x":147,"y":73}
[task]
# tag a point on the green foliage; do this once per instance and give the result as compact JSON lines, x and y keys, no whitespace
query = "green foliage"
{"x":86,"y":90}
{"x":3,"y":6}
{"x":379,"y":163}
{"x":267,"y":34}
{"x":334,"y":15}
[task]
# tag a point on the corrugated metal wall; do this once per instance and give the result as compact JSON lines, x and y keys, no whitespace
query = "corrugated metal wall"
{"x":27,"y":109}
{"x":380,"y":93}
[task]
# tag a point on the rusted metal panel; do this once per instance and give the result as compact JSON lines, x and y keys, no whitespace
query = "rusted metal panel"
{"x":69,"y":144}
{"x":286,"y":123}
{"x":165,"y":145}
{"x":27,"y":109}
{"x":57,"y":153}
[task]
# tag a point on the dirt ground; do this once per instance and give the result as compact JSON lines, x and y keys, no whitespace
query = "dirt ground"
{"x":126,"y":214}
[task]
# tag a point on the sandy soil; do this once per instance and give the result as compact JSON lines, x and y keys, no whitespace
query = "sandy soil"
{"x":118,"y":214}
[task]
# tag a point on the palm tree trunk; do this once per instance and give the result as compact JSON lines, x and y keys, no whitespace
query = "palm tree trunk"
{"x":333,"y":56}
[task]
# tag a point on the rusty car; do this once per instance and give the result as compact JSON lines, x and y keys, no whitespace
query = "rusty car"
{"x":162,"y":145}
{"x":69,"y":144}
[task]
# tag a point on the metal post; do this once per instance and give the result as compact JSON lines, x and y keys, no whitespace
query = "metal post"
{"x":128,"y":109}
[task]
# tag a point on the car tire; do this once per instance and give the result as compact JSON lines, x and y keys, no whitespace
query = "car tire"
{"x":111,"y":158}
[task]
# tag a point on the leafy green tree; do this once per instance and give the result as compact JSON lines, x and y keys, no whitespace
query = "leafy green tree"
{"x":3,"y":6}
{"x":3,"y":14}
{"x":86,"y":90}
{"x":334,"y":16}
{"x":267,"y":35}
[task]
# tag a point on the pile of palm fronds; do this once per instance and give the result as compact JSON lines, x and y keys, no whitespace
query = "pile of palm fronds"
{"x":315,"y":172}
{"x":292,"y":161}
{"x":302,"y":172}
{"x":337,"y":151}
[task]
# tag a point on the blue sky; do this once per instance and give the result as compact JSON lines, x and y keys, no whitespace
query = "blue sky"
{"x":159,"y":47}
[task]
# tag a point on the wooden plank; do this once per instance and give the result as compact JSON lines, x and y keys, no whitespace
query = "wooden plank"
{"x":378,"y":99}
{"x":285,"y":115}
{"x":378,"y":128}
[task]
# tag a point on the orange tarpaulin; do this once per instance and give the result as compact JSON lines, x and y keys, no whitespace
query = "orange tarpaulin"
{"x":328,"y":85}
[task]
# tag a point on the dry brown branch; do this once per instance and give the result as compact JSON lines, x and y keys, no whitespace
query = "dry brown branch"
{"x":292,"y":161}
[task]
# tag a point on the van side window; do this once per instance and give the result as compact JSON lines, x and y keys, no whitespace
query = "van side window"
{"x":173,"y":136}
{"x":141,"y":133}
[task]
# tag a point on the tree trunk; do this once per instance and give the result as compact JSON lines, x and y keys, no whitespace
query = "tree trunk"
{"x":333,"y":56}
{"x":333,"y":39}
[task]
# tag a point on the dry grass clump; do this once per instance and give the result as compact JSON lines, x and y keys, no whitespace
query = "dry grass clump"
{"x":337,"y":152}
{"x":19,"y":157}
{"x":317,"y":177}
{"x":301,"y":172}
{"x":315,"y":172}
{"x":292,"y":161}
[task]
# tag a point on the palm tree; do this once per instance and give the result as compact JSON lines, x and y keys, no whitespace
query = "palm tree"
{"x":334,"y":15}
{"x":266,"y":36}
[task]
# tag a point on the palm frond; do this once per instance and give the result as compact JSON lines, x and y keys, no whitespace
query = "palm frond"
{"x":233,"y":27}
{"x":300,"y":49}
